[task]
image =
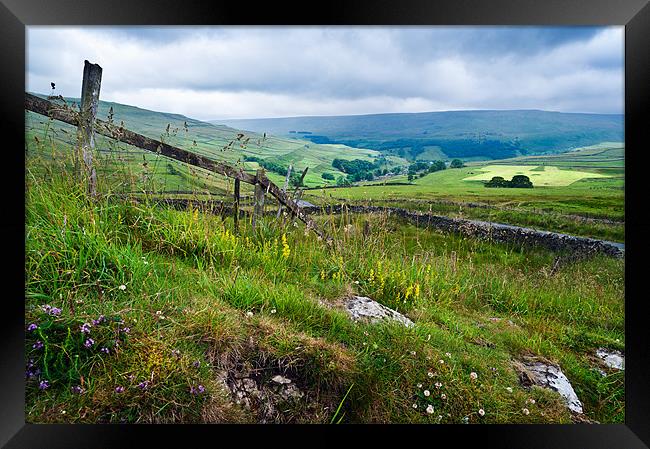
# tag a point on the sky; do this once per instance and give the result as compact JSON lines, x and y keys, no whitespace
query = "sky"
{"x":212,"y":73}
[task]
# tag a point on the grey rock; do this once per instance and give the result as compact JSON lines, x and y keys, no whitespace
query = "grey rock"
{"x":364,"y":308}
{"x":613,"y":359}
{"x":281,"y":380}
{"x":551,"y":376}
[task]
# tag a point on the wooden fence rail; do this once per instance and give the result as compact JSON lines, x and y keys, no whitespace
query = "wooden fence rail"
{"x":66,"y":115}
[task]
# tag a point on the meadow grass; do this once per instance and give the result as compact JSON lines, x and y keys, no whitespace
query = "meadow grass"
{"x":176,"y":301}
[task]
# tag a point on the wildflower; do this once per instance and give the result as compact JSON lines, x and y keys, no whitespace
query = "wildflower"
{"x":44,"y":385}
{"x":481,"y":412}
{"x":442,"y":362}
{"x":176,"y":353}
{"x":412,"y":352}
{"x":85,"y":328}
{"x":249,"y":314}
{"x":356,"y":282}
{"x":38,"y":345}
{"x":105,"y":350}
{"x":119,"y":389}
{"x":78,"y":389}
{"x":419,"y":385}
{"x":530,"y":401}
{"x":448,"y":354}
{"x":99,"y":320}
{"x":509,"y":389}
{"x":122,"y":287}
{"x":46,"y":308}
{"x":196,"y":364}
{"x":438,"y":384}
{"x":427,"y":393}
{"x":286,"y":251}
{"x":55,"y":311}
{"x":143,"y":385}
{"x":126,"y":330}
{"x":201,"y":389}
{"x":443,"y":396}
{"x":89,"y":342}
{"x":466,"y":420}
{"x":430,"y":374}
{"x":473,"y":375}
{"x":273,"y":310}
{"x":32,"y":327}
{"x":525,"y":411}
{"x":430,"y":409}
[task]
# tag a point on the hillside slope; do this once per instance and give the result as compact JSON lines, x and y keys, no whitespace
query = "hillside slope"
{"x":463,"y":134}
{"x":213,"y":141}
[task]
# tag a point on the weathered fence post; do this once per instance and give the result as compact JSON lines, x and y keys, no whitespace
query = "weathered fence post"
{"x":258,"y":207}
{"x":284,"y":189}
{"x":236,"y":205}
{"x":92,"y":79}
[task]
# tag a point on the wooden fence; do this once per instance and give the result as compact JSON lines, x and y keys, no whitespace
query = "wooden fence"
{"x":88,"y":125}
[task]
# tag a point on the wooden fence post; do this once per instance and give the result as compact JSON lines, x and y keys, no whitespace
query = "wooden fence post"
{"x":284,"y":189}
{"x":236,"y":205}
{"x":92,"y":79}
{"x":258,"y":208}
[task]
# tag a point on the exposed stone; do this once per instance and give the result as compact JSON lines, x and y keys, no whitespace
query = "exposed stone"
{"x":364,"y":308}
{"x":281,"y":380}
{"x":547,"y":375}
{"x":611,"y":358}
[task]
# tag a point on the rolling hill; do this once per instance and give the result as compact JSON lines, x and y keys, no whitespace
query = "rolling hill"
{"x":210,"y":140}
{"x":470,"y":135}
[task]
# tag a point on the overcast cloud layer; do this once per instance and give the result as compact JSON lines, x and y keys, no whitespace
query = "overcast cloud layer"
{"x":250,"y":72}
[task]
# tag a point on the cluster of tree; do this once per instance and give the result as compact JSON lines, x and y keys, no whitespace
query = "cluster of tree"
{"x":328,"y":176}
{"x":518,"y":181}
{"x":456,"y":163}
{"x":294,"y":178}
{"x":421,"y":168}
{"x":360,"y":170}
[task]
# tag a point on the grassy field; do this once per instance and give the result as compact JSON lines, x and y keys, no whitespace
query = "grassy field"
{"x":151,"y":309}
{"x":550,"y":207}
{"x":541,"y":176}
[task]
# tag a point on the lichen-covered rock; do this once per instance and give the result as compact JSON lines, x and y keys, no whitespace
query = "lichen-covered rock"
{"x":364,"y":308}
{"x":611,"y":358}
{"x":547,"y":375}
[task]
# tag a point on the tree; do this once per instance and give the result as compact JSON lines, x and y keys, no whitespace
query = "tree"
{"x":497,"y":181}
{"x":456,"y":163}
{"x":410,"y":177}
{"x":521,"y":181}
{"x":328,"y":176}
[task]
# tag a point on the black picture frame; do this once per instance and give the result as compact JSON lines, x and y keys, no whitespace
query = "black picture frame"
{"x":633,"y":14}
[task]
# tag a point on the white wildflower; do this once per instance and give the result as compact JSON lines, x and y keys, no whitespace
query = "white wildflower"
{"x":415,"y":406}
{"x":427,"y":393}
{"x":525,"y":411}
{"x":473,"y":375}
{"x":481,"y":412}
{"x":438,"y":384}
{"x":443,"y":396}
{"x":419,"y":385}
{"x":273,"y":310}
{"x":509,"y":389}
{"x":430,"y":374}
{"x":122,"y":287}
{"x":448,"y":354}
{"x":430,"y":409}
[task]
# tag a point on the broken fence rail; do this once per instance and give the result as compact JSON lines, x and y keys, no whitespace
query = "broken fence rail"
{"x":108,"y":129}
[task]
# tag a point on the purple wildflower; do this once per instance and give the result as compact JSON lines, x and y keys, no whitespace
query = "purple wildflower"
{"x":99,"y":320}
{"x":38,"y":345}
{"x":85,"y":328}
{"x":143,"y":385}
{"x":78,"y":389}
{"x":105,"y":350}
{"x":46,"y":308}
{"x":55,"y":311}
{"x":196,"y":364}
{"x":44,"y":385}
{"x":176,"y":353}
{"x":193,"y":390}
{"x":126,"y":330}
{"x":89,"y":342}
{"x":201,"y":389}
{"x":119,"y":390}
{"x":32,"y":327}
